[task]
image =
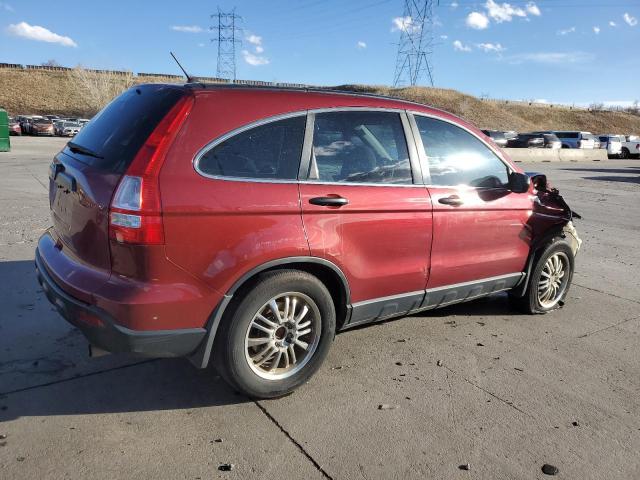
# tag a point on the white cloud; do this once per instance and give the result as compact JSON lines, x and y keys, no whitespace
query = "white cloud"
{"x":551,"y":58}
{"x":40,"y":34}
{"x":504,"y":12}
{"x":201,"y":45}
{"x":501,"y":12}
{"x":6,"y":7}
{"x":477,"y":20}
{"x":254,"y":60}
{"x":596,"y":30}
{"x":254,"y":39}
{"x":444,"y":37}
{"x":631,"y":21}
{"x":453,"y":4}
{"x":566,"y":31}
{"x":187,"y":28}
{"x":612,"y":23}
{"x":533,"y":9}
{"x":458,"y":46}
{"x":404,"y":24}
{"x":490,"y":47}
{"x":361,"y":44}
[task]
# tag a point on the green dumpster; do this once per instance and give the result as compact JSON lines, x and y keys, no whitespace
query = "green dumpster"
{"x":5,"y":145}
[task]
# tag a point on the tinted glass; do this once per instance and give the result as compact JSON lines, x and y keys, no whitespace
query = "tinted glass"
{"x":362,"y":147}
{"x":118,"y":131}
{"x":458,"y":158}
{"x":270,"y":151}
{"x":567,"y":134}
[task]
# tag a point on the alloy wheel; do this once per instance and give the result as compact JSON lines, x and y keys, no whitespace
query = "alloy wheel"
{"x":553,"y":280}
{"x":283,"y":336}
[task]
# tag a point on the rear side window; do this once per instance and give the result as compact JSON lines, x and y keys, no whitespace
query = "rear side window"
{"x":118,"y":131}
{"x":360,"y":147}
{"x":270,"y":151}
{"x":568,"y":135}
{"x":456,"y":157}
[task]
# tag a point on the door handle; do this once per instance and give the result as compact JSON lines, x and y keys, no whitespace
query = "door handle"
{"x":453,"y":200}
{"x":329,"y":201}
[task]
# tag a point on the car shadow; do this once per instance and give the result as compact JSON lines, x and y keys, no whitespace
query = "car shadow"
{"x":615,"y":179}
{"x":627,"y":170}
{"x":45,"y":368}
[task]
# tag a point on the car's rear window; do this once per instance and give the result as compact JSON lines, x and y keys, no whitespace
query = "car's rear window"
{"x":118,"y":131}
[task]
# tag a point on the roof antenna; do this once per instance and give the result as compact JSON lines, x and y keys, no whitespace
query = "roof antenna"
{"x":189,"y":77}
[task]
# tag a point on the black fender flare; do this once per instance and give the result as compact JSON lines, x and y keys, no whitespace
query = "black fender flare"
{"x":536,"y":246}
{"x":200,"y":357}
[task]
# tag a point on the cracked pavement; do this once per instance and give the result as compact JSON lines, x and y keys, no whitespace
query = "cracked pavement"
{"x":474,"y":383}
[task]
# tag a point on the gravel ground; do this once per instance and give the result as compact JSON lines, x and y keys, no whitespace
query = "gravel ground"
{"x":473,"y":384}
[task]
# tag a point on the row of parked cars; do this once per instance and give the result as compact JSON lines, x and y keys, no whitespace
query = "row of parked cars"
{"x":617,"y":146}
{"x":47,"y":125}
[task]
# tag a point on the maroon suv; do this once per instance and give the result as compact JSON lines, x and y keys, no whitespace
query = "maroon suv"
{"x":248,"y":225}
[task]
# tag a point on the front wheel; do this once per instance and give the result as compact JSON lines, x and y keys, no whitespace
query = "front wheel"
{"x":276,"y":335}
{"x":550,"y":279}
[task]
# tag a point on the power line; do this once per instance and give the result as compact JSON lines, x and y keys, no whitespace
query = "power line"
{"x":416,"y":42}
{"x":227,"y":41}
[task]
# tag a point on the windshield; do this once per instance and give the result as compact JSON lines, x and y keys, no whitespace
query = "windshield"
{"x":118,"y":131}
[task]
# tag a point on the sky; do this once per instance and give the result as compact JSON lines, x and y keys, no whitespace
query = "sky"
{"x":559,"y":51}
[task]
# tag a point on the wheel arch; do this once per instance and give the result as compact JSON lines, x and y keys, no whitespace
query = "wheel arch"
{"x":557,"y":231}
{"x":327,"y":272}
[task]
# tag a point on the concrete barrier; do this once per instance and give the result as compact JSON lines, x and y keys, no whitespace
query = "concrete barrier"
{"x":556,"y":155}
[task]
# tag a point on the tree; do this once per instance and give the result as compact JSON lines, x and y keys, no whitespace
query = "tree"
{"x":96,"y":89}
{"x":50,"y":63}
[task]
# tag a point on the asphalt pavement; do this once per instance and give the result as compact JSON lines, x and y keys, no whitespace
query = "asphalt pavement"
{"x":475,"y":385}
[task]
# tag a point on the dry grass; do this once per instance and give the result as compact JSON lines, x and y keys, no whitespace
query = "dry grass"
{"x":511,"y":116}
{"x":75,"y":92}
{"x":78,"y":92}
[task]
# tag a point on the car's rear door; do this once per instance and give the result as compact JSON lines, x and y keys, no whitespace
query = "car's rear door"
{"x":364,"y":207}
{"x":481,"y":237}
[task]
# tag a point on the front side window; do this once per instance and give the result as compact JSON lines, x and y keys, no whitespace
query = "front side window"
{"x":269,"y":151}
{"x":360,"y":147}
{"x":455,"y":157}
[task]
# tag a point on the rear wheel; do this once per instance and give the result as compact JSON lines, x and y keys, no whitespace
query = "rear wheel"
{"x":549,"y":281}
{"x":624,"y":153}
{"x":277,"y":334}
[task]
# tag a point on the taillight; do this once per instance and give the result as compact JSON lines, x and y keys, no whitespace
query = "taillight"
{"x":135,"y":214}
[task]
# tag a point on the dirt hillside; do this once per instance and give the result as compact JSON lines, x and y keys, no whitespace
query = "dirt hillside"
{"x":69,"y":92}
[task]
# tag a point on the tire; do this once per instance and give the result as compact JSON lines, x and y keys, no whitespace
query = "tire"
{"x":533,"y":301}
{"x":624,"y":154}
{"x":247,"y":367}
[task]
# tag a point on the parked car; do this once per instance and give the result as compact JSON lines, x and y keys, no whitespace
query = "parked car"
{"x":68,"y":129}
{"x":83,"y":121}
{"x":575,"y":139}
{"x":42,"y":127}
{"x":14,"y":127}
{"x":249,"y":238}
{"x":526,"y":140}
{"x":630,"y":147}
{"x":498,"y":137}
{"x":613,"y":145}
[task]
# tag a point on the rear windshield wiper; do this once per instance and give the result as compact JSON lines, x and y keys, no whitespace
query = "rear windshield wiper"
{"x":75,"y":148}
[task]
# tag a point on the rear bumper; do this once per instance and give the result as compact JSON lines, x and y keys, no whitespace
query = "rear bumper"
{"x":103,"y":332}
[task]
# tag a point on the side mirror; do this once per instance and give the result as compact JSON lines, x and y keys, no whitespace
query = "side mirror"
{"x":539,"y":181}
{"x":519,"y":182}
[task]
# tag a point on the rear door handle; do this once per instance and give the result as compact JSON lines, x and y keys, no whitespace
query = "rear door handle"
{"x":453,"y":200}
{"x":329,"y":201}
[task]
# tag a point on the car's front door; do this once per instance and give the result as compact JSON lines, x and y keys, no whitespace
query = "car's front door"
{"x":481,"y":234}
{"x":363,"y":211}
